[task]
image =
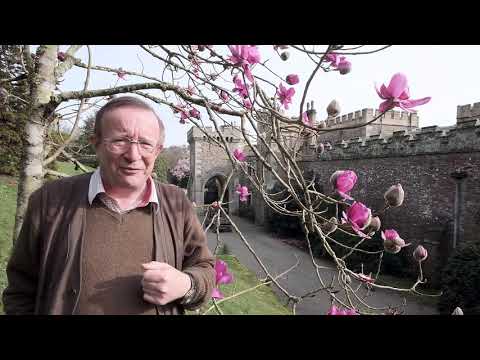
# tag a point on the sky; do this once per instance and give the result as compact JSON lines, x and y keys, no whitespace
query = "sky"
{"x":449,"y":74}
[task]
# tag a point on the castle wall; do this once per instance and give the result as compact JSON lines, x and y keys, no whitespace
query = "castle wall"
{"x":423,"y":163}
{"x":388,"y":123}
{"x":427,"y":162}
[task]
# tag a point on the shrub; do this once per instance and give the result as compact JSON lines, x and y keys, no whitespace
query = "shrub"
{"x":460,"y":281}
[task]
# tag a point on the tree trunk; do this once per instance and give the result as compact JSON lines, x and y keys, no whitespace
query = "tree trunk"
{"x":31,"y":168}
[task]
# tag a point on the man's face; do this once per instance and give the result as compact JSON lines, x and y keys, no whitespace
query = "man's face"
{"x":125,"y":165}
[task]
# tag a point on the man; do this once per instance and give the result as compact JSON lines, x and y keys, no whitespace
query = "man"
{"x":115,"y":241}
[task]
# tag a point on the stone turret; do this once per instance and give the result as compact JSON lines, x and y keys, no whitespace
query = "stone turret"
{"x":468,"y":112}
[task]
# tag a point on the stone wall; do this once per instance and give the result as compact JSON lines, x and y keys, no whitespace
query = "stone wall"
{"x":423,"y":162}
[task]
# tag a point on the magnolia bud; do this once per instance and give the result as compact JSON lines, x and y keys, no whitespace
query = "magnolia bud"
{"x":201,"y":47}
{"x":61,"y":56}
{"x":329,"y":226}
{"x":344,"y":67}
{"x":457,"y":311}
{"x":391,"y":247}
{"x":320,"y":148}
{"x":420,"y":253}
{"x":333,"y":109}
{"x":285,"y":55}
{"x":394,"y":195}
{"x":374,"y":225}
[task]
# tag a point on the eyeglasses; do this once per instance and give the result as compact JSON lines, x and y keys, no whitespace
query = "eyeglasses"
{"x":120,"y":146}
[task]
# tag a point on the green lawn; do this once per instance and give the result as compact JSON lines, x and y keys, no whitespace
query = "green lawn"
{"x":69,"y":168}
{"x":262,"y":300}
{"x":8,"y":199}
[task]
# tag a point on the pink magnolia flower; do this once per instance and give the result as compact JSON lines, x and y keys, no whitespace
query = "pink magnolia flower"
{"x":181,"y":108}
{"x":358,"y":216}
{"x":183,"y":116}
{"x":194,"y":113}
{"x":343,"y":182}
{"x":247,"y":103}
{"x":248,"y":72}
{"x":336,"y":311}
{"x":215,"y":205}
{"x":392,"y":242}
{"x":242,"y":191}
{"x":240,"y":87}
{"x":217,"y":294}
{"x":222,"y":276}
{"x":397,"y":94}
{"x":339,"y":62}
{"x":285,"y":95}
{"x":239,"y":155}
{"x":333,"y":310}
{"x":244,"y":56}
{"x":292,"y":79}
{"x":224,"y":95}
{"x":333,"y":58}
{"x":420,"y":253}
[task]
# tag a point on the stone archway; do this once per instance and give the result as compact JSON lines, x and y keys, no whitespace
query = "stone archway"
{"x":212,"y":190}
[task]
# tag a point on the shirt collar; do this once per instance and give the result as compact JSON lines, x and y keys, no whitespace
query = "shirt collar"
{"x":96,"y":187}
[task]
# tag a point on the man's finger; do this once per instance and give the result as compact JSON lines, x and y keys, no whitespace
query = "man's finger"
{"x":154,"y":299}
{"x":150,"y":298}
{"x":154,"y":275}
{"x":152,"y":265}
{"x":152,"y":287}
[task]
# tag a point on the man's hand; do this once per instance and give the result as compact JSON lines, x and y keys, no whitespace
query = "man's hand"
{"x":163,"y":283}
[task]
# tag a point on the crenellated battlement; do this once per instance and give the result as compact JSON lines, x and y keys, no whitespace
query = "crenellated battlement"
{"x":468,"y":112}
{"x":233,"y":133}
{"x":366,"y":115}
{"x":463,"y":137}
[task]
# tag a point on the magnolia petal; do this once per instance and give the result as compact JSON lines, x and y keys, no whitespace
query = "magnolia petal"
{"x":217,"y":294}
{"x":386,"y":105}
{"x":380,"y":93}
{"x":397,"y":85}
{"x":248,"y":73}
{"x":413,"y":103}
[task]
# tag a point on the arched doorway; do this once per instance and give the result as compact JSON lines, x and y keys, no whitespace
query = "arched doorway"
{"x":212,"y":191}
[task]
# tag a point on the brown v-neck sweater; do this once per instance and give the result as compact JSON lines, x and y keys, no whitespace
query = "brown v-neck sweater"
{"x":45,"y":268}
{"x":115,"y":247}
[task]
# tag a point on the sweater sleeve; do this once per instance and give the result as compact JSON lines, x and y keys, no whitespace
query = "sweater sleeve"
{"x":23,"y":266}
{"x":198,"y":261}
